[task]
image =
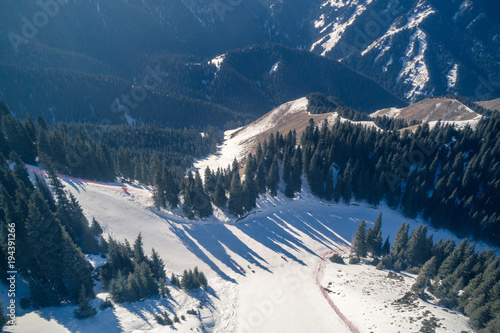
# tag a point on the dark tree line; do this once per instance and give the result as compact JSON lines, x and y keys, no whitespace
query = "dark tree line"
{"x":449,"y":176}
{"x":98,"y":152}
{"x":225,"y":187}
{"x":51,"y":232}
{"x":460,"y":276}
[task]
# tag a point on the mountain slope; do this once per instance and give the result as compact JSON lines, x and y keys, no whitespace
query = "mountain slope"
{"x":491,"y":105}
{"x":262,"y":77}
{"x":431,"y":109}
{"x":414,"y":48}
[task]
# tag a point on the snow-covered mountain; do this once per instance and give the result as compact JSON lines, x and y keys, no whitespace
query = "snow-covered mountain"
{"x":417,"y":48}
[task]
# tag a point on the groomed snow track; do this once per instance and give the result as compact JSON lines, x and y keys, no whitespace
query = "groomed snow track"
{"x":344,"y":319}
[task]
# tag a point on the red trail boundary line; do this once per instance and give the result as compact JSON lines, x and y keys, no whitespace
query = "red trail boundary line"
{"x":344,"y":319}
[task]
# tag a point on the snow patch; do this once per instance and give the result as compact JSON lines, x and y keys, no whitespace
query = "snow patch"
{"x":421,"y":12}
{"x":274,"y":68}
{"x":451,"y":77}
{"x":217,"y":61}
{"x":338,"y":28}
{"x":414,"y":72}
{"x":320,"y":22}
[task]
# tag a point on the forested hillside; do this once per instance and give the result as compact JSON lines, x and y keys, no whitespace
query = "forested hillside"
{"x":462,"y":277}
{"x":448,"y":176}
{"x":103,"y":152}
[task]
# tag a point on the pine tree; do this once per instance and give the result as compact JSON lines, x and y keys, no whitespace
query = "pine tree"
{"x":85,"y":309}
{"x":209,"y":184}
{"x":400,"y":243}
{"x":220,"y":198}
{"x":159,"y":190}
{"x":417,"y":246}
{"x":235,"y":205}
{"x":157,"y":266}
{"x":329,"y":184}
{"x":386,"y":248}
{"x":171,"y":189}
{"x":426,"y":273}
{"x":346,"y":186}
{"x":359,"y":247}
{"x":273,"y":179}
{"x":297,"y":170}
{"x":139,"y":255}
{"x":374,"y":237}
{"x":96,"y":228}
{"x":261,"y":178}
{"x":174,"y":280}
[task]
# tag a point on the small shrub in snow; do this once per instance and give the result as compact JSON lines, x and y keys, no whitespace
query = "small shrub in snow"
{"x":106,"y":304}
{"x":164,"y":319}
{"x":176,"y":319}
{"x":192,"y":312}
{"x":336,"y":258}
{"x":183,"y":318}
{"x":354,"y":261}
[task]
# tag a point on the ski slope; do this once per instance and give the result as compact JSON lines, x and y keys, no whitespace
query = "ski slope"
{"x":261,"y":269}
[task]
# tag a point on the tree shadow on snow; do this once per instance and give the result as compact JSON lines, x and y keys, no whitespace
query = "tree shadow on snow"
{"x":195,"y":249}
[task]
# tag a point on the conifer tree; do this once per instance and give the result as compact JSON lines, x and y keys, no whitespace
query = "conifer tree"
{"x":346,"y":182}
{"x":417,"y":246}
{"x":426,"y":273}
{"x":261,"y":178}
{"x":359,"y":247}
{"x":139,"y":255}
{"x":400,"y":242}
{"x":220,"y":198}
{"x":329,"y":184}
{"x":273,"y":179}
{"x":374,"y":237}
{"x":96,"y":228}
{"x":297,"y":169}
{"x":85,"y":309}
{"x":157,"y":267}
{"x":386,"y":248}
{"x":235,"y":205}
{"x":171,"y":189}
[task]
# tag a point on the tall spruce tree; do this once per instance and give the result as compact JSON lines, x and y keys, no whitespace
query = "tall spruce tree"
{"x":273,"y":178}
{"x":426,"y":273}
{"x":235,"y":205}
{"x":359,"y":247}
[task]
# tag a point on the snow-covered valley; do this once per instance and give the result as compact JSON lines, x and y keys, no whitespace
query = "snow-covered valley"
{"x":261,"y":268}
